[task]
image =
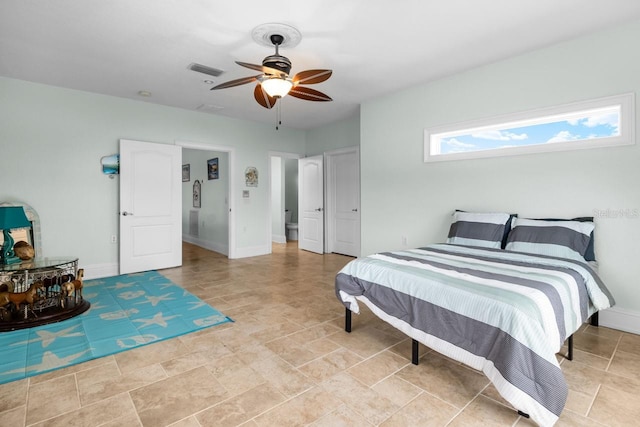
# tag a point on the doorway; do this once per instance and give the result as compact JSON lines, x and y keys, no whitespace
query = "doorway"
{"x":283,"y":189}
{"x":207,"y":200}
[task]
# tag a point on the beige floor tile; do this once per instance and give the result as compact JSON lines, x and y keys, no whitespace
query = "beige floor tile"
{"x":378,"y":367}
{"x":615,"y":407}
{"x":341,"y":417}
{"x":485,"y":412}
{"x":373,"y":406}
{"x":65,"y":391}
{"x":425,"y":410}
{"x":103,"y":382}
{"x":447,"y":380}
{"x":13,"y":395}
{"x":303,"y":409}
{"x":159,"y":352}
{"x":14,"y":417}
{"x":177,"y":397}
{"x":117,"y":409}
{"x":626,"y":365}
{"x":397,"y":390}
{"x":595,"y":344}
{"x":630,"y":343}
{"x":284,"y":377}
{"x":329,"y":365}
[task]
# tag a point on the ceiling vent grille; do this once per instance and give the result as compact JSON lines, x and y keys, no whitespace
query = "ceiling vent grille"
{"x":205,"y":70}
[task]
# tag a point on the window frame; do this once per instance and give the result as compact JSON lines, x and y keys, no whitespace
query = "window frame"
{"x":626,"y":137}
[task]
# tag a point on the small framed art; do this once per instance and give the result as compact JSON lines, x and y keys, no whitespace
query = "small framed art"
{"x":212,"y":168}
{"x":186,"y":173}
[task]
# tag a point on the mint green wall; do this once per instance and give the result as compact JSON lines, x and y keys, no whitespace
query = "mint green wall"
{"x":341,"y":134}
{"x":51,"y":142}
{"x":403,"y":196}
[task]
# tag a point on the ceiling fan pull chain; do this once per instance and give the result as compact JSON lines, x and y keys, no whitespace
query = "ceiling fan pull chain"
{"x":278,"y":116}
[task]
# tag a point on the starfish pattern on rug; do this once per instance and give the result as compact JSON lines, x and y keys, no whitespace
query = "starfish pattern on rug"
{"x":48,"y":337}
{"x":159,"y":319}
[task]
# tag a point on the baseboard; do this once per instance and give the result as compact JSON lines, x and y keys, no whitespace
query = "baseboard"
{"x":253,"y":251}
{"x":621,"y":319}
{"x":279,"y":239}
{"x":206,"y":244}
{"x":98,"y":271}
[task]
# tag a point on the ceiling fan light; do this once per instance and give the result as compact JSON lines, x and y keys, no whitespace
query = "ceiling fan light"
{"x":277,"y":87}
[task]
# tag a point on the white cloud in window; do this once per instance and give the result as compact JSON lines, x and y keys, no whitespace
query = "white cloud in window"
{"x":459,"y":144}
{"x":610,"y":118}
{"x":499,"y":135}
{"x":563,"y":136}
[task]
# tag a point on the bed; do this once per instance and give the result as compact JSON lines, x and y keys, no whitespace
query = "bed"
{"x":505,"y":312}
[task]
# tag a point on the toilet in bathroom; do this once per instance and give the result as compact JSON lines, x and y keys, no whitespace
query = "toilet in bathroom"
{"x":292,"y":228}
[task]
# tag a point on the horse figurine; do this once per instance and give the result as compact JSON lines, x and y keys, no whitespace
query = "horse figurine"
{"x":73,"y":287}
{"x":29,"y":297}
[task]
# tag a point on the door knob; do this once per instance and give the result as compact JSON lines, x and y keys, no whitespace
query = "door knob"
{"x":125,"y":213}
{"x":354,"y":210}
{"x":319,"y":210}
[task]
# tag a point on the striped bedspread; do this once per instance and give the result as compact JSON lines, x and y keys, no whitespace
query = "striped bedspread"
{"x":504,"y":313}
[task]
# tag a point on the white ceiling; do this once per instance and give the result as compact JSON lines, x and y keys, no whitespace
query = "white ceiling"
{"x":374,"y":47}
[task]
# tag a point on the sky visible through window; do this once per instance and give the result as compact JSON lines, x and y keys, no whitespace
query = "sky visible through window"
{"x":599,"y":123}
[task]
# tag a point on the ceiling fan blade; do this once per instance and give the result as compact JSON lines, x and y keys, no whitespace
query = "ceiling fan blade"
{"x":237,"y":82}
{"x":251,"y":66}
{"x":263,"y":99}
{"x":262,"y":68}
{"x":308,"y":94}
{"x":310,"y":77}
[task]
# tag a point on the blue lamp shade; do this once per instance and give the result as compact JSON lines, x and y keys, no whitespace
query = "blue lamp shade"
{"x":11,"y":217}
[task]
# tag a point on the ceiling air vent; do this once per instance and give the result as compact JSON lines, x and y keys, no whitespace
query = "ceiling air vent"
{"x":205,"y":70}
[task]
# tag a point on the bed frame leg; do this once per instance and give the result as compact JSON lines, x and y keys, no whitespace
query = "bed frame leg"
{"x":347,"y":320}
{"x":570,"y":345}
{"x":595,"y":321}
{"x":414,"y":352}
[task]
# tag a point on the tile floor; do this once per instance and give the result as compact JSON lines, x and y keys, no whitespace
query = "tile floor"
{"x":286,"y":361}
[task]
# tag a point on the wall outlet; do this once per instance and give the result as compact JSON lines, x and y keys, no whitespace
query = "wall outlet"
{"x":114,"y":238}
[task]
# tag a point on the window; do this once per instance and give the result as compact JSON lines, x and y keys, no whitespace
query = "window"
{"x":602,"y":122}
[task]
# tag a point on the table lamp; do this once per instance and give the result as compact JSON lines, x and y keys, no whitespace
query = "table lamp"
{"x":11,"y":217}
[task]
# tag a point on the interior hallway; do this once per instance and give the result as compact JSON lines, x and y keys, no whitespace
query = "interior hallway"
{"x":286,"y":361}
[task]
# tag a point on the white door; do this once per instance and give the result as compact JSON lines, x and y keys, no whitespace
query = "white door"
{"x":311,"y":204}
{"x":343,"y":194}
{"x":150,"y":206}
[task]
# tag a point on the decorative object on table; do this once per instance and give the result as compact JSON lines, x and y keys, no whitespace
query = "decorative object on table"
{"x":27,"y":298}
{"x":43,"y":278}
{"x":24,"y":250}
{"x":251,"y":176}
{"x":72,"y":288}
{"x":128,"y":311}
{"x":212,"y":168}
{"x":186,"y":173}
{"x":11,"y":218}
{"x":197,"y":202}
{"x":111,"y":165}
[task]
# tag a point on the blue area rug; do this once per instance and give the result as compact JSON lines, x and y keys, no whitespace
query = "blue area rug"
{"x":126,"y":312}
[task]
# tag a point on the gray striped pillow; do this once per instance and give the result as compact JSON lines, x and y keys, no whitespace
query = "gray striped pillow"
{"x":478,"y":229}
{"x":564,"y":239}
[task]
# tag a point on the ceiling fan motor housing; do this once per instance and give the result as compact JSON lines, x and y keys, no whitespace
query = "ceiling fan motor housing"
{"x":278,"y":62}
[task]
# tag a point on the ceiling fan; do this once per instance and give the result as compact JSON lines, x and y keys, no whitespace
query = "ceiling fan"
{"x":275,"y":83}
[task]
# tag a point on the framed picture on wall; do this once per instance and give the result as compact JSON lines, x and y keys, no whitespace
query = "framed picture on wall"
{"x":186,"y":173}
{"x":212,"y":168}
{"x":197,"y":195}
